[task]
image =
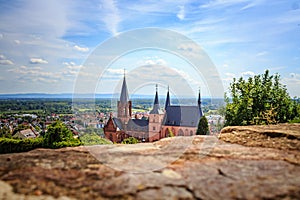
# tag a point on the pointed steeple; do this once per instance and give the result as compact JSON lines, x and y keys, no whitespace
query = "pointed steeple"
{"x":199,"y":103}
{"x":124,"y":92}
{"x":199,"y":98}
{"x":156,"y":95}
{"x":156,"y":109}
{"x":168,"y":103}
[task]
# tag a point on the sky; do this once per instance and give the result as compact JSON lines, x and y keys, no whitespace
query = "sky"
{"x":46,"y":46}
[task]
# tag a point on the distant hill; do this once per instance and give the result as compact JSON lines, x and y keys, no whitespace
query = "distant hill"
{"x":51,"y":96}
{"x":98,"y":96}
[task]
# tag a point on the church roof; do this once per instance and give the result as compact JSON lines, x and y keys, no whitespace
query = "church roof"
{"x":118,"y":123}
{"x":182,"y":116}
{"x":124,"y":98}
{"x":137,"y":125}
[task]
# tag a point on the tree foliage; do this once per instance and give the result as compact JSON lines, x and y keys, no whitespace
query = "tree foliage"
{"x":130,"y":140}
{"x":259,"y":100}
{"x":11,"y":145}
{"x":5,"y":132}
{"x":202,"y":126}
{"x":58,"y":135}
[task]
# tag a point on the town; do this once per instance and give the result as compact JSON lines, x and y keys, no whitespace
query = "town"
{"x":29,"y":118}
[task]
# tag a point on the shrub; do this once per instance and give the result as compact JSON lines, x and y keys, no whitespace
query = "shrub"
{"x":130,"y":140}
{"x":9,"y":145}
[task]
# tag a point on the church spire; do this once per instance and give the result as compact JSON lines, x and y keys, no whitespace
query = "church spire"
{"x":168,"y":103}
{"x":156,"y":109}
{"x":199,"y":103}
{"x":156,"y":96}
{"x":199,"y":98}
{"x":124,"y":92}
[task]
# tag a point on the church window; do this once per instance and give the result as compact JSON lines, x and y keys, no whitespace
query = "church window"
{"x":180,"y":132}
{"x":153,"y":128}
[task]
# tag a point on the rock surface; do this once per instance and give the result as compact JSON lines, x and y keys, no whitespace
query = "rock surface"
{"x":280,"y":136}
{"x":198,"y":167}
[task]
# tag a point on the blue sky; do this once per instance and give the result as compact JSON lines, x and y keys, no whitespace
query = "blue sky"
{"x":44,"y":44}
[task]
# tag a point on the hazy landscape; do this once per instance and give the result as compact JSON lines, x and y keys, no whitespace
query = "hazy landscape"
{"x":114,"y":99}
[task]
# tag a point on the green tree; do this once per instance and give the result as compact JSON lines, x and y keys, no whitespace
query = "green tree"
{"x":202,"y":126}
{"x":259,"y":100}
{"x":5,"y":132}
{"x":58,"y":135}
{"x":130,"y":140}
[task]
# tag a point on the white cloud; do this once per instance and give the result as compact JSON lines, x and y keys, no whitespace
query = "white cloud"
{"x":35,"y":74}
{"x":222,"y":3}
{"x":17,"y":41}
{"x":187,"y":77}
{"x":73,"y":67}
{"x":4,"y":61}
{"x":38,"y":61}
{"x":110,"y":16}
{"x":32,"y":17}
{"x":290,"y":17}
{"x":155,"y":62}
{"x":293,"y":83}
{"x":225,"y":65}
{"x":261,"y":53}
{"x":252,"y":3}
{"x":81,"y":49}
{"x":181,"y":14}
{"x":248,"y":73}
{"x":187,"y":47}
{"x":115,"y":71}
{"x":69,"y":63}
{"x":1,"y":35}
{"x":231,"y":75}
{"x":228,"y":78}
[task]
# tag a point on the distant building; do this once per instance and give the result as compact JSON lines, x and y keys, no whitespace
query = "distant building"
{"x":173,"y":120}
{"x":27,"y":133}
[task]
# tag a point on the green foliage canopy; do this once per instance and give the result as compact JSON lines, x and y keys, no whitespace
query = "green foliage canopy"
{"x":261,"y":99}
{"x":58,"y":135}
{"x":130,"y":140}
{"x":202,"y":126}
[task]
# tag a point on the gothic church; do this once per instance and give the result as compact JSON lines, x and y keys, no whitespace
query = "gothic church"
{"x":173,"y":120}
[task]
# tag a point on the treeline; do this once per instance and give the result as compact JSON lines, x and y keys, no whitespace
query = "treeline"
{"x":37,"y":106}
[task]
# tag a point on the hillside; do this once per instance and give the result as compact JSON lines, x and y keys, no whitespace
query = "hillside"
{"x":265,"y":166}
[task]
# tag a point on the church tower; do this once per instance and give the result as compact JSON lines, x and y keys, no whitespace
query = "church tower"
{"x":199,"y":104}
{"x":124,"y":105}
{"x":156,"y":116}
